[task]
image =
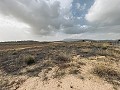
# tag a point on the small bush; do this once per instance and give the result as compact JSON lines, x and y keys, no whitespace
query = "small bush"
{"x":14,"y":53}
{"x":104,"y":48}
{"x":29,"y":60}
{"x":61,"y":59}
{"x":103,"y":71}
{"x":108,"y":73}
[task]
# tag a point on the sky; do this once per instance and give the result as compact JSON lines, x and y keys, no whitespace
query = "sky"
{"x":53,"y":20}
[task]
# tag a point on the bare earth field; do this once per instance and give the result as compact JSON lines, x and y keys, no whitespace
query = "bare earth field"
{"x":80,"y":65}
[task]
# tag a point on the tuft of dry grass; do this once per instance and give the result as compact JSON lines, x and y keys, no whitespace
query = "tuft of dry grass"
{"x":74,"y":71}
{"x":59,"y":74}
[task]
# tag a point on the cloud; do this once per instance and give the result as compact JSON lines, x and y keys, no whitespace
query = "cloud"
{"x":63,"y":3}
{"x":76,"y":29}
{"x":104,"y":29}
{"x":104,"y":12}
{"x":104,"y":18}
{"x":80,"y":7}
{"x":43,"y":16}
{"x":59,"y":19}
{"x":100,"y":36}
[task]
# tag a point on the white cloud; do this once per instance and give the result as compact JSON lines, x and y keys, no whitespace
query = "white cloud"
{"x":104,"y":12}
{"x":9,"y":33}
{"x":43,"y":16}
{"x":65,"y":3}
{"x":104,"y":18}
{"x":8,"y":21}
{"x":11,"y":29}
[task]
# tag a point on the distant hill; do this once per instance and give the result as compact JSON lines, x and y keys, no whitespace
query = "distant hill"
{"x":69,"y":40}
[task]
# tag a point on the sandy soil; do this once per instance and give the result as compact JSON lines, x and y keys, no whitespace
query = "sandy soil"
{"x":67,"y":83}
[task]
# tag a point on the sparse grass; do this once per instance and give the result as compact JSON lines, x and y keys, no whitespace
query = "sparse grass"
{"x":3,"y":84}
{"x":59,"y":74}
{"x":44,"y":58}
{"x":48,"y":63}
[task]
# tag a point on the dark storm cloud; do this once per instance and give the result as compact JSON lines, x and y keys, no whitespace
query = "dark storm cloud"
{"x":43,"y":16}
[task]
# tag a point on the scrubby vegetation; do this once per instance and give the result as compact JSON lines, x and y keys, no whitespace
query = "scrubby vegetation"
{"x":109,"y":73}
{"x":58,"y":59}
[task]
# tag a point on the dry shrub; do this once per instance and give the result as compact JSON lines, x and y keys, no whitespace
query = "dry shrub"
{"x":63,"y":58}
{"x":110,"y":74}
{"x":29,"y":60}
